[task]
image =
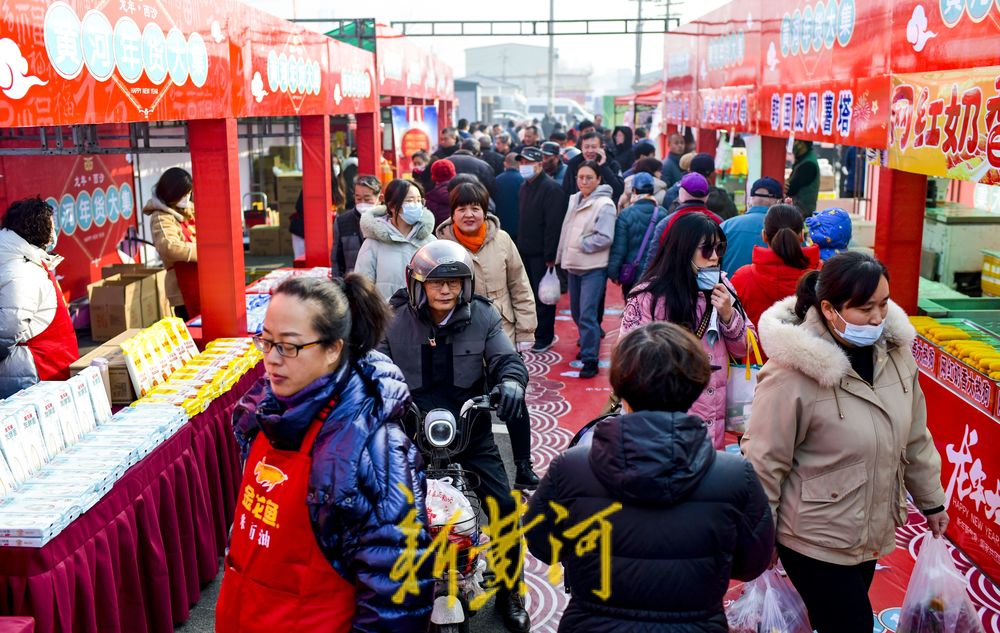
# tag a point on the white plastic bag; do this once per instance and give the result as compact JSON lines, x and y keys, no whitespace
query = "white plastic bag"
{"x":446,"y":503}
{"x":936,"y":600}
{"x":744,"y":613}
{"x":769,"y":604}
{"x":740,"y":387}
{"x":549,"y":289}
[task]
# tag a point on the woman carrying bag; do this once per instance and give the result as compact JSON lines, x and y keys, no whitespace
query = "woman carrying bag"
{"x":633,"y":232}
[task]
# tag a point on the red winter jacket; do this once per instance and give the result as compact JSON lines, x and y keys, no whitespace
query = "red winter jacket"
{"x":768,"y":279}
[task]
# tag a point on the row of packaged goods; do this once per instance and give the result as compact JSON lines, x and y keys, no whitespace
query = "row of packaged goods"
{"x":266,"y":284}
{"x":62,"y":449}
{"x":963,"y":340}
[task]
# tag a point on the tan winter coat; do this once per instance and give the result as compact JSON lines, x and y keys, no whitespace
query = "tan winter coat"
{"x":836,"y":457}
{"x":501,"y":277}
{"x":168,"y":238}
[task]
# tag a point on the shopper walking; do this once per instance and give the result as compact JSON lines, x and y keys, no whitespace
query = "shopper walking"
{"x":347,"y":237}
{"x":542,"y":204}
{"x":37,"y":339}
{"x":803,"y":184}
{"x":634,"y":234}
{"x":508,"y":199}
{"x":592,"y":150}
{"x":171,"y":220}
{"x":649,"y":166}
{"x":694,"y":190}
{"x":745,"y":232}
{"x":490,"y":156}
{"x":778,"y":265}
{"x":326,"y":464}
{"x":466,"y":162}
{"x":584,"y":247}
{"x":672,"y":171}
{"x":442,"y":172}
{"x":392,"y":234}
{"x":622,"y":139}
{"x":499,"y":276}
{"x":552,"y":161}
{"x":659,"y":464}
{"x":839,"y":436}
{"x":685,"y":285}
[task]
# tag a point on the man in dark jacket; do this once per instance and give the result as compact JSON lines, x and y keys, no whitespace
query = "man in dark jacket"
{"x":450,"y":346}
{"x":690,"y":518}
{"x":508,"y":196}
{"x":490,"y":156}
{"x":447,"y":145}
{"x":466,"y":163}
{"x":543,"y":205}
{"x":672,"y":172}
{"x":347,"y":237}
{"x":803,"y":183}
{"x":591,"y":149}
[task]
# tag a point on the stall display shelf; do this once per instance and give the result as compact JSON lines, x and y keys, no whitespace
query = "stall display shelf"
{"x":984,"y":312}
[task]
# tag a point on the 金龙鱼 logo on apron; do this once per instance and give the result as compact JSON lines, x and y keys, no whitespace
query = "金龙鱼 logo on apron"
{"x":268,"y":476}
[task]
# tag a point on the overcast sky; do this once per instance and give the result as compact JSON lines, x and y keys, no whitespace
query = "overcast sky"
{"x":602,"y":53}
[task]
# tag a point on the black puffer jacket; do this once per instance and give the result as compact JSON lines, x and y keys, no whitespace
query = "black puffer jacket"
{"x":692,"y":518}
{"x":359,"y":457}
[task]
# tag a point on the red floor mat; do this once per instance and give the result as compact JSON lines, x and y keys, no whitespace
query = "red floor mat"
{"x":561,"y":403}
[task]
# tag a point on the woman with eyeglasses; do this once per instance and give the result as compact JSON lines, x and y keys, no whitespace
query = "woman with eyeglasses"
{"x":686,"y":286}
{"x":329,"y":474}
{"x":392,"y":234}
{"x":584,"y":249}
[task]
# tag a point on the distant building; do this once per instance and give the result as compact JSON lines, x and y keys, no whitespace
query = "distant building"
{"x":528,"y":67}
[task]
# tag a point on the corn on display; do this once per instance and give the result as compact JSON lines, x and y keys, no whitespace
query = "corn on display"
{"x":976,"y":348}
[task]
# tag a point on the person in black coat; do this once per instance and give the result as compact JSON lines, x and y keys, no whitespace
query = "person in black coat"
{"x":690,"y":518}
{"x":490,"y":156}
{"x":622,"y":139}
{"x":591,"y":149}
{"x":466,"y":163}
{"x":542,"y":204}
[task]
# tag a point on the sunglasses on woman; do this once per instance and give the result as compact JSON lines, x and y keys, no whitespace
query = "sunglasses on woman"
{"x":719,"y":248}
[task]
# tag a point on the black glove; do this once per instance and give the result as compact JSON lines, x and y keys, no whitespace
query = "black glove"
{"x":511,"y":396}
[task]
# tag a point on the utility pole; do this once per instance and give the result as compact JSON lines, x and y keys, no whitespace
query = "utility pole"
{"x":552,"y":57}
{"x":638,"y":48}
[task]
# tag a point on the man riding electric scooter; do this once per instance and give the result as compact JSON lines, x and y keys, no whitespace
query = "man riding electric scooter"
{"x":450,"y":344}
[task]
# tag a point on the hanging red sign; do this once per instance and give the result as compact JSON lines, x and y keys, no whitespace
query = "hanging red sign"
{"x":944,"y":35}
{"x":407,"y":70}
{"x":352,"y":78}
{"x":680,"y":76}
{"x":281,"y":69}
{"x":133,"y":60}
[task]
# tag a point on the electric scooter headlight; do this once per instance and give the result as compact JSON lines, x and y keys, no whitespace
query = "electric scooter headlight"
{"x":440,"y":428}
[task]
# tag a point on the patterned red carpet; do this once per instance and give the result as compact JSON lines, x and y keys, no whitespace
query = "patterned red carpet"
{"x":561,"y":404}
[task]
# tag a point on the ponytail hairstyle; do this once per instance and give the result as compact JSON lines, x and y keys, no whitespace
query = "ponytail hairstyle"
{"x":348,"y":309}
{"x":847,"y":279}
{"x":783,"y":226}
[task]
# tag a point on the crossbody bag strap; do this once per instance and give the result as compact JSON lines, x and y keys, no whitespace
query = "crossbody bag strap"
{"x":649,"y":233}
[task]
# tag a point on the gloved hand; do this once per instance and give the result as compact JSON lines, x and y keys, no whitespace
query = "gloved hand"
{"x":511,"y":396}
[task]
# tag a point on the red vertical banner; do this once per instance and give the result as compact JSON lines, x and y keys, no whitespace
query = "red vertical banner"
{"x":316,"y":189}
{"x":219,"y":223}
{"x":93,"y":206}
{"x":899,"y":231}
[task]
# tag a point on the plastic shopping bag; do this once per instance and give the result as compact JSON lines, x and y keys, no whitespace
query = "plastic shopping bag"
{"x":740,"y":387}
{"x":446,"y":503}
{"x":783,"y":611}
{"x":549,"y":289}
{"x":744,"y":613}
{"x":936,"y":600}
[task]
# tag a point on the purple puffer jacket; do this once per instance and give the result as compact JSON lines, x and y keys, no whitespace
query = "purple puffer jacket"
{"x":711,"y":405}
{"x":439,"y":204}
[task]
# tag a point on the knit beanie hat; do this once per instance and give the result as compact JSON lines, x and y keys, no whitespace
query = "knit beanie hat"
{"x":442,"y":170}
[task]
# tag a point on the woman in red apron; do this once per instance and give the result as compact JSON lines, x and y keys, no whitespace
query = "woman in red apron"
{"x":171,"y":219}
{"x":317,"y":528}
{"x":37,"y":339}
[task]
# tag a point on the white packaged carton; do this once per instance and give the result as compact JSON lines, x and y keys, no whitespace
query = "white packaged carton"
{"x":30,"y":436}
{"x":84,"y":406}
{"x":10,"y":446}
{"x":98,"y":395}
{"x":7,"y":481}
{"x":44,"y":402}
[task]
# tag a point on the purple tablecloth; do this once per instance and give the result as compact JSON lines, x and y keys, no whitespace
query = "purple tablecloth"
{"x":17,"y":625}
{"x":136,"y":561}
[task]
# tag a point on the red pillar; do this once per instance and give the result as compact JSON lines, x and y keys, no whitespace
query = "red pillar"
{"x":316,"y":189}
{"x":219,"y":223}
{"x":706,"y":141}
{"x":369,"y":142}
{"x":899,"y":228}
{"x":772,"y":157}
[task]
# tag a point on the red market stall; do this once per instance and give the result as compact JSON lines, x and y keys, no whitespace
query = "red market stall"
{"x":920,"y":83}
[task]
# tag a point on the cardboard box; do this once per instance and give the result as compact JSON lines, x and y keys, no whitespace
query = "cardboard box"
{"x":827,"y":183}
{"x":289,"y":186}
{"x":159,"y":286}
{"x":284,"y":155}
{"x":269,"y":241}
{"x":115,"y":306}
{"x":120,"y":382}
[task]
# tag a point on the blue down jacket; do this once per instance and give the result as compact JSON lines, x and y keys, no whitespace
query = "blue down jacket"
{"x":691,"y":519}
{"x":359,"y":457}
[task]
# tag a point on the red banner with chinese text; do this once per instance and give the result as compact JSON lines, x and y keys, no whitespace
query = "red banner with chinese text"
{"x":407,"y":70}
{"x":352,"y":72}
{"x":944,"y":35}
{"x":680,"y":76}
{"x":947,"y":124}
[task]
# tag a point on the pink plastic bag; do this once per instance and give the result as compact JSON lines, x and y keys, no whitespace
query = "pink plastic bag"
{"x":769,"y":604}
{"x":936,"y":600}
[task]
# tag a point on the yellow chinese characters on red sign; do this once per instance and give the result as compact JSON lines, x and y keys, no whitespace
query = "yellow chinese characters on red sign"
{"x":947,"y":124}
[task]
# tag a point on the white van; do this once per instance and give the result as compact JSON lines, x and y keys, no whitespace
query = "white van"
{"x":567,"y":111}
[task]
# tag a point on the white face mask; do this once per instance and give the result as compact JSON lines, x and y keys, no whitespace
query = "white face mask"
{"x":364,"y":207}
{"x":527,"y":171}
{"x":184,"y":202}
{"x":861,"y":335}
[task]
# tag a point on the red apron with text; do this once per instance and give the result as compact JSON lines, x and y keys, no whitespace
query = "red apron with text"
{"x":276,"y":576}
{"x":55,"y":348}
{"x":187,"y":277}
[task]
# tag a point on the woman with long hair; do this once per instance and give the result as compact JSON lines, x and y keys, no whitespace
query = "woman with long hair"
{"x":777,"y":267}
{"x":686,"y":286}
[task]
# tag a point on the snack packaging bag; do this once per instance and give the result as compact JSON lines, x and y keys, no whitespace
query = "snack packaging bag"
{"x":936,"y":600}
